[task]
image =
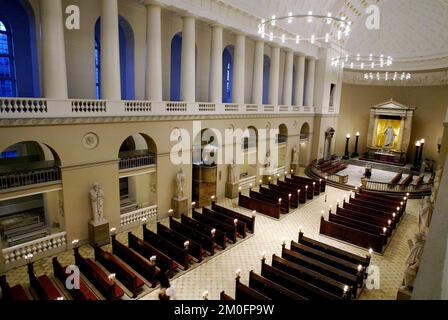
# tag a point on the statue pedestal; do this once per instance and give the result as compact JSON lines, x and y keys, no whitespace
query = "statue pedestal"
{"x":296,"y":168}
{"x":232,"y":190}
{"x":404,"y":294}
{"x":99,"y":233}
{"x":265,"y":179}
{"x":179,"y":206}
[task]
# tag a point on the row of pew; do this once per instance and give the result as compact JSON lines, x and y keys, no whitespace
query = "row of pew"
{"x":141,"y":262}
{"x":367,"y":220}
{"x":280,"y":198}
{"x":309,"y":270}
{"x":331,"y":166}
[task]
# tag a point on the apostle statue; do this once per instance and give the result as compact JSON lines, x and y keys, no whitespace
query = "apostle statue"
{"x":413,"y":261}
{"x":209,"y":153}
{"x":180,"y":183}
{"x":389,"y":135}
{"x":97,"y":202}
{"x":295,"y":155}
{"x":425,"y":215}
{"x":232,"y":175}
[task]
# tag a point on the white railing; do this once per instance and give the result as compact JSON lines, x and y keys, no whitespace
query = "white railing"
{"x":49,"y":245}
{"x":135,"y":217}
{"x":23,"y":108}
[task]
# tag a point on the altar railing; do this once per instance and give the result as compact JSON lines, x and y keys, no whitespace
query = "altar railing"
{"x":337,"y":178}
{"x":423,"y":189}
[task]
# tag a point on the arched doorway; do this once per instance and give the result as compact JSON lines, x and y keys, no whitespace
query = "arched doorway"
{"x":33,"y":170}
{"x":281,"y":141}
{"x":328,"y":144}
{"x":138,"y":173}
{"x":304,"y":145}
{"x":249,"y":147}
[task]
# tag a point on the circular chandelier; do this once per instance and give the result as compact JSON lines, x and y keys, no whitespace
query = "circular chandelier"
{"x":342,"y":25}
{"x":387,"y":76}
{"x":362,"y":62}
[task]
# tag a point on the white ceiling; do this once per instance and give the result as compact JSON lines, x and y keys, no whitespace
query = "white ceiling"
{"x":411,"y":30}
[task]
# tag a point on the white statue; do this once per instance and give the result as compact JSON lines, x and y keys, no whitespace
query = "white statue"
{"x":97,"y":202}
{"x":209,"y":153}
{"x":390,"y":137}
{"x":295,"y":155}
{"x":180,"y":183}
{"x":425,"y":215}
{"x":268,"y":165}
{"x":413,"y":261}
{"x":232,"y":175}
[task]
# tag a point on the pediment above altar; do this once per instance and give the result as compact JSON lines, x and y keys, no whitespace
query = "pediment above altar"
{"x":393,"y":109}
{"x":392,"y":105}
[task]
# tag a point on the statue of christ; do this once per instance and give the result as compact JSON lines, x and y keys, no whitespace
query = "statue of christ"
{"x":390,"y":135}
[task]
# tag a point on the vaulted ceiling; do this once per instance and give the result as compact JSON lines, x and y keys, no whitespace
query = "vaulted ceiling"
{"x":410,"y":30}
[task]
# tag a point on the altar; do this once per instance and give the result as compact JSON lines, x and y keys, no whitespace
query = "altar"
{"x":389,"y":133}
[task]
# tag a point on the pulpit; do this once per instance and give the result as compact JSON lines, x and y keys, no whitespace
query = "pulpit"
{"x":204,"y":184}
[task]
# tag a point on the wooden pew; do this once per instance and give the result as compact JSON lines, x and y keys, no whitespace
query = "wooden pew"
{"x":228,"y":228}
{"x":383,"y":199}
{"x":293,"y":199}
{"x":271,"y":289}
{"x":244,"y":293}
{"x":15,"y":293}
{"x":357,"y":270}
{"x":303,"y":194}
{"x":179,"y":254}
{"x":396,"y":179}
{"x":352,"y":235}
{"x":194,"y":248}
{"x":225,"y":297}
{"x":241,"y":227}
{"x":42,"y":285}
{"x":164,"y":262}
{"x":206,"y":240}
{"x":126,"y":276}
{"x":357,"y":206}
{"x":249,"y":221}
{"x":359,"y":225}
{"x":294,"y":191}
{"x":145,"y":267}
{"x":322,"y":268}
{"x":374,"y":204}
{"x":407,"y":181}
{"x":220,"y":236}
{"x":321,"y":184}
{"x":333,"y":251}
{"x":284,"y":203}
{"x":309,"y":187}
{"x":371,"y":220}
{"x":108,"y":288}
{"x":297,"y":285}
{"x":315,"y":185}
{"x":315,"y":278}
{"x":267,"y":208}
{"x":62,"y":273}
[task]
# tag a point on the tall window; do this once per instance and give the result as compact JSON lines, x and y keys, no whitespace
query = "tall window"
{"x":266,"y":74}
{"x":97,"y":69}
{"x":227,"y":66}
{"x":7,"y":74}
{"x":176,"y":60}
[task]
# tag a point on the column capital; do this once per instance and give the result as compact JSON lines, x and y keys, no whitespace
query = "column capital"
{"x":311,"y":58}
{"x":153,"y":3}
{"x":239,"y":33}
{"x":216,"y":25}
{"x":188,"y":15}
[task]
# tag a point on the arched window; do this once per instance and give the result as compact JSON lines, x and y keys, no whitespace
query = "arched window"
{"x":7,"y":65}
{"x":227,"y":70}
{"x":176,"y":60}
{"x":266,"y":74}
{"x":126,"y":40}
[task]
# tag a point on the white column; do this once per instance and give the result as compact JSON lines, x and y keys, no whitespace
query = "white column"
{"x":239,"y":69}
{"x":300,"y":80}
{"x":216,"y":65}
{"x":54,"y":70}
{"x":274,"y":75}
{"x":257,"y":81}
{"x":153,"y":90}
{"x":287,"y":83}
{"x":110,"y":52}
{"x":188,"y":67}
{"x":309,"y":94}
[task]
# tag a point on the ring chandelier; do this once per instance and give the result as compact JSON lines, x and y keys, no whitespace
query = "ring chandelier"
{"x":362,"y":62}
{"x":343,"y":26}
{"x":387,"y":76}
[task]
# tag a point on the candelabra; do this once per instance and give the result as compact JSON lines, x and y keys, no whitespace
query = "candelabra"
{"x":355,"y":153}
{"x":347,"y":154}
{"x":415,"y":165}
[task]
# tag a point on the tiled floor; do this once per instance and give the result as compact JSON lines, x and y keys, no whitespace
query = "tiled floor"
{"x":218,"y":274}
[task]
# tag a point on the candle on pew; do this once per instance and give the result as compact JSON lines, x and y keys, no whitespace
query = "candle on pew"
{"x":322,"y":213}
{"x":300,"y":228}
{"x":263,"y":255}
{"x":359,"y":267}
{"x":289,"y":196}
{"x":238,"y":273}
{"x":205,"y":295}
{"x":235,"y":221}
{"x":253,"y":213}
{"x":75,"y":243}
{"x":384,"y":230}
{"x":370,"y":252}
{"x":279,"y":201}
{"x":260,"y":182}
{"x":186,"y":244}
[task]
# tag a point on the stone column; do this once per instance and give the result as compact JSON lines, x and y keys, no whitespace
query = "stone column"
{"x":287,"y":84}
{"x":300,"y":80}
{"x":257,"y":83}
{"x":153,"y":89}
{"x":310,"y":77}
{"x":274,"y":76}
{"x":216,"y":65}
{"x":188,"y":67}
{"x":54,"y":70}
{"x":239,"y":69}
{"x":110,"y":52}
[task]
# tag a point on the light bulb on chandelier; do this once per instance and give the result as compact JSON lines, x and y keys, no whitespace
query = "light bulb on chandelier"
{"x":343,"y":27}
{"x":360,"y":62}
{"x":387,"y":76}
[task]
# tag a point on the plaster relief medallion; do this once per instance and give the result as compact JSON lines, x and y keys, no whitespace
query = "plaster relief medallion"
{"x":90,"y":140}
